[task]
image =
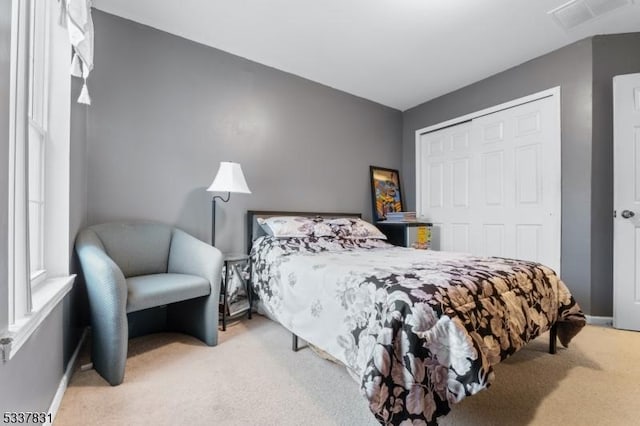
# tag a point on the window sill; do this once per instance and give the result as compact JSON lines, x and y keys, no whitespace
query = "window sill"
{"x":38,"y":277}
{"x":45,"y":297}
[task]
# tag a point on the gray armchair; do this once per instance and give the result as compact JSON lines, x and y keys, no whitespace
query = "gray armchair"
{"x":130,"y":267}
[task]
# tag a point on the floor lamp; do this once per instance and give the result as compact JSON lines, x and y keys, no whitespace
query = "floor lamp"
{"x":228,"y":179}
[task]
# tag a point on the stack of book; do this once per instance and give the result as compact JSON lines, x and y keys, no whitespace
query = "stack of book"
{"x":401,"y":217}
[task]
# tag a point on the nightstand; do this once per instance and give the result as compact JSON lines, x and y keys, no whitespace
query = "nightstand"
{"x":233,"y":266}
{"x":404,"y":234}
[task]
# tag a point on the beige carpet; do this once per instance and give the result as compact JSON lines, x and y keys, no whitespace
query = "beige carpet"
{"x":253,"y":378}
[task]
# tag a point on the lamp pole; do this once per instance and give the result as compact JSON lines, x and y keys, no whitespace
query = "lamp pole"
{"x":213,"y":215}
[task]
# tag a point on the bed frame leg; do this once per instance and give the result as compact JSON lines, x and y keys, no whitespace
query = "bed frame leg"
{"x":553,"y":339}
{"x":294,"y":343}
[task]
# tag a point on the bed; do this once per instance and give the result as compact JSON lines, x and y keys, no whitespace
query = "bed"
{"x":419,"y":330}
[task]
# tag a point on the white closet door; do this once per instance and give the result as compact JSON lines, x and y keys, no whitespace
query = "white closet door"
{"x":447,"y":188}
{"x":492,"y":186}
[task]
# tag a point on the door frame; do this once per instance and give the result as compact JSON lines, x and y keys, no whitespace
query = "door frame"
{"x":554,"y":93}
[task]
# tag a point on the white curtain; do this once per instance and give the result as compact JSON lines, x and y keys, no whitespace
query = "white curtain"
{"x":75,"y":15}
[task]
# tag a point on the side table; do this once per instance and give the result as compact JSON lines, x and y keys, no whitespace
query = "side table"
{"x":233,"y":264}
{"x":404,"y":234}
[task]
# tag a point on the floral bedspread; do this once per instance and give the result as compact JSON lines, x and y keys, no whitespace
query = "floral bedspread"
{"x":420,"y":329}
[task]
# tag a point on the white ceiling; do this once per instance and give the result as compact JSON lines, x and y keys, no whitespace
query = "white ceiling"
{"x":399,"y":53}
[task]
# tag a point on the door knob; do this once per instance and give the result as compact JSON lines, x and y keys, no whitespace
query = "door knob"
{"x":628,"y":214}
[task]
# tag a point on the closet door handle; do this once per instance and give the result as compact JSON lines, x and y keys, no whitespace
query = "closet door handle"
{"x":628,"y":214}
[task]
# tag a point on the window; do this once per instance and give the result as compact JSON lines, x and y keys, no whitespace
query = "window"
{"x":19,"y":256}
{"x":39,"y":151}
{"x":27,"y":152}
{"x":37,"y":135}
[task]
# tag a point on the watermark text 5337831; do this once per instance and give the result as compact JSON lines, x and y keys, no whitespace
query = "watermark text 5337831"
{"x":18,"y":417}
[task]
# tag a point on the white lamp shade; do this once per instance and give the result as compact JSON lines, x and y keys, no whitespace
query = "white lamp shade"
{"x":229,"y":179}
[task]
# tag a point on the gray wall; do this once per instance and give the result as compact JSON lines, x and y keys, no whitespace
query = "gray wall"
{"x":570,"y":68}
{"x":166,"y":111}
{"x":31,"y":378}
{"x":77,"y":309}
{"x":5,"y":57}
{"x":76,"y":306}
{"x":78,"y":162}
{"x":612,"y":55}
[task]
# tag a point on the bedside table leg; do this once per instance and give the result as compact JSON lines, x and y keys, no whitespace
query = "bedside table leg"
{"x":224,"y":298}
{"x":249,"y":290}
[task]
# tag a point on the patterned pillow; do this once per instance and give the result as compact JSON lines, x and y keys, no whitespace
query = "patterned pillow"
{"x":287,"y":226}
{"x":348,"y":228}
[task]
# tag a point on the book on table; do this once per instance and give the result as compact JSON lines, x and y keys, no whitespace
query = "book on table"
{"x":401,"y":217}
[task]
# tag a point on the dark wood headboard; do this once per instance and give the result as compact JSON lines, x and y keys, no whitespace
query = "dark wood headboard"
{"x":254,"y":230}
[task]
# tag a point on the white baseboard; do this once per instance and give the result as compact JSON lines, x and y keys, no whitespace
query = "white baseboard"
{"x":57,"y":398}
{"x":601,"y":321}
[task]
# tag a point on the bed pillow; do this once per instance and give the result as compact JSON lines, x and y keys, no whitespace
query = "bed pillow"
{"x":287,"y":226}
{"x":350,"y":228}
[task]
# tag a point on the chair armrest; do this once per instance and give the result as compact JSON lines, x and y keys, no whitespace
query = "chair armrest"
{"x":189,"y":255}
{"x":105,"y":281}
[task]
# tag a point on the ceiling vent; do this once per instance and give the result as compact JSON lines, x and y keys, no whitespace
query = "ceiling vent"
{"x":577,"y":12}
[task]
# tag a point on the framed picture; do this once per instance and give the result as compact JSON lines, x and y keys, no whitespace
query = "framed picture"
{"x":236,"y":288}
{"x":241,"y":304}
{"x":386,"y":195}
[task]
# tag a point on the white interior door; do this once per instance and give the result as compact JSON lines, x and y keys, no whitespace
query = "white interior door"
{"x":626,"y":201}
{"x":491,"y":185}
